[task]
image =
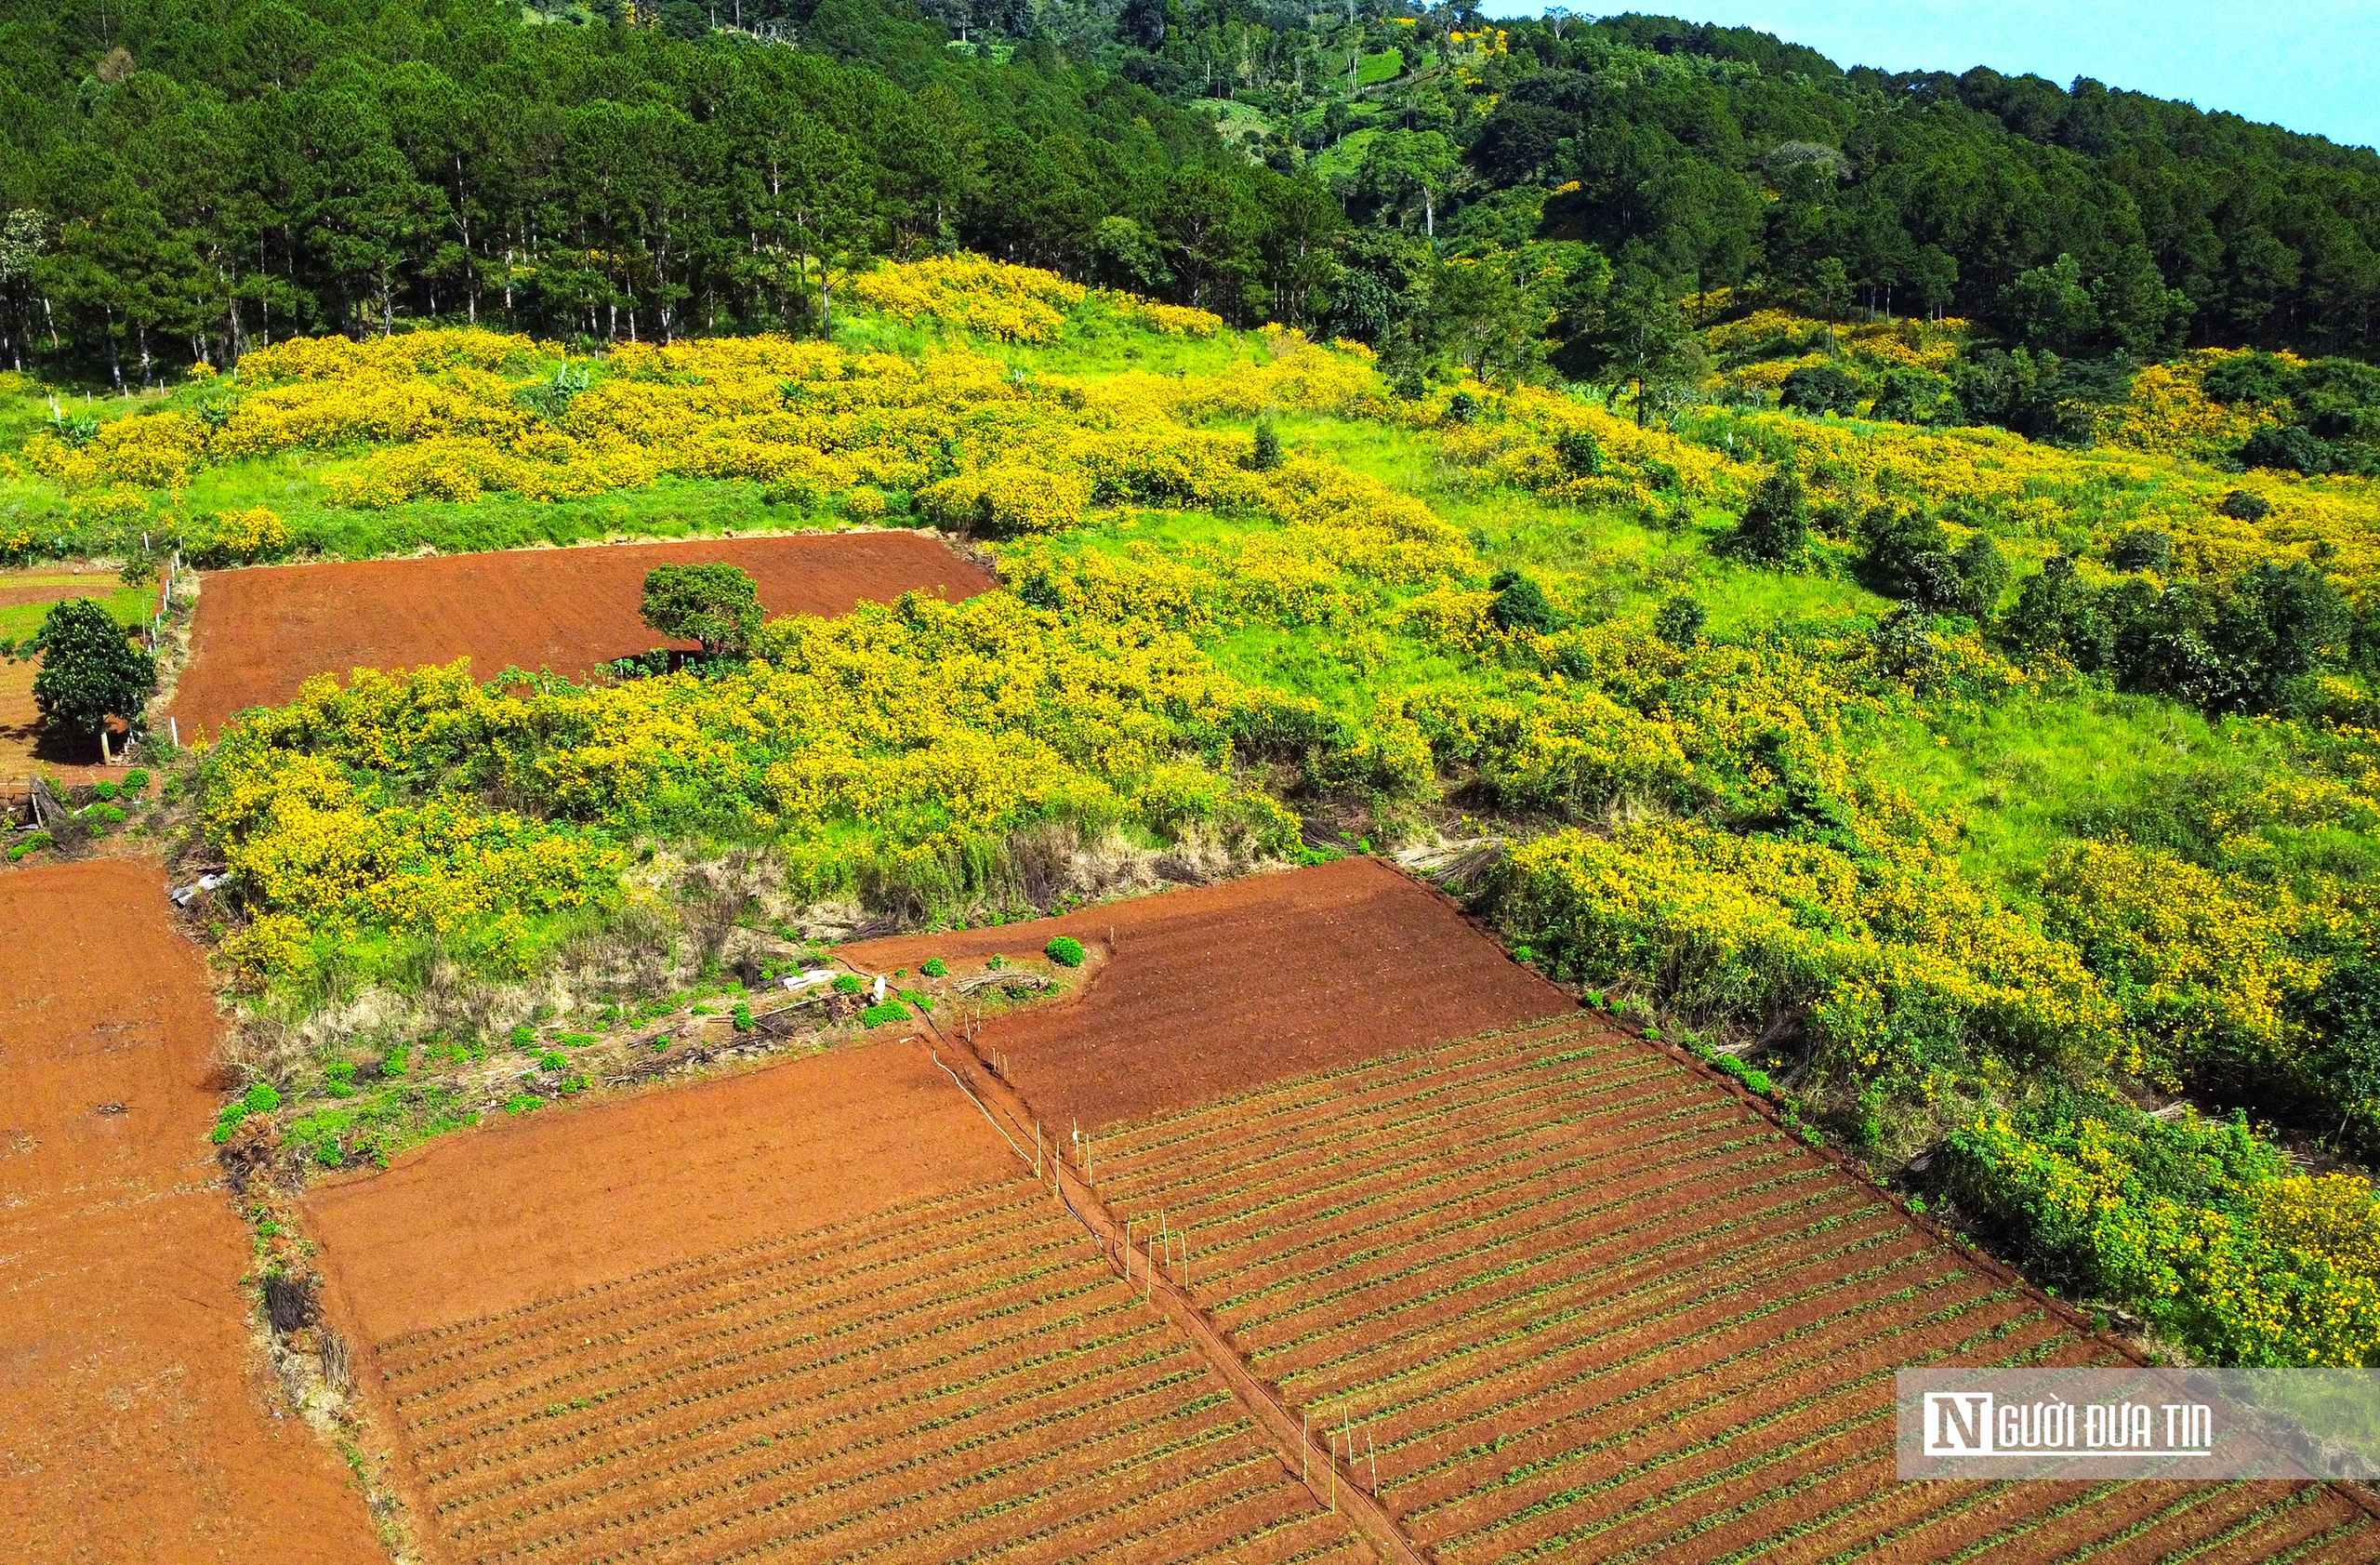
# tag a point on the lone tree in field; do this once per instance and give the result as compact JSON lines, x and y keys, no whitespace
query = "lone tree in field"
{"x":90,"y":669}
{"x":715,"y":605}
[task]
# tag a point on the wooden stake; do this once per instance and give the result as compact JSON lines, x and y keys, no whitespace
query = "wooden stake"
{"x":1373,"y":1451}
{"x":1306,"y":1439}
{"x":1148,"y":1274}
{"x":1036,"y":1149}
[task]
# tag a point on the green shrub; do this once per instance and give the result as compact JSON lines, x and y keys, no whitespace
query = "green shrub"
{"x":1064,"y":950}
{"x":741,"y":1017}
{"x":260,"y":1098}
{"x":890,"y":1010}
{"x":339,"y":1078}
{"x":918,"y":997}
{"x":849,"y":983}
{"x":112,"y":814}
{"x":934,"y":968}
{"x":33,"y":842}
{"x":1264,"y":455}
{"x":552,"y":1059}
{"x":1524,"y":954}
{"x":1520,"y":605}
{"x":523,"y":1036}
{"x":103,"y":789}
{"x":136,"y":780}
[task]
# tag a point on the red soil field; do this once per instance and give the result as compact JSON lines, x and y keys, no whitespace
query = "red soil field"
{"x":820,"y":1310}
{"x":132,"y":1420}
{"x":1584,"y":1301}
{"x":1202,"y":993}
{"x":569,"y":1199}
{"x":262,"y":631}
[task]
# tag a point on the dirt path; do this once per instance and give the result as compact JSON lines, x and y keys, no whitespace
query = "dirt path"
{"x":134,"y":1416}
{"x":1211,"y":991}
{"x":262,"y":633}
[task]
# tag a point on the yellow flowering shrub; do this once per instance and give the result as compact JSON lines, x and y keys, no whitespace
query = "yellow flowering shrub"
{"x":1014,"y":303}
{"x":238,"y":538}
{"x":2167,"y":410}
{"x":2205,"y":966}
{"x":2201,"y":1225}
{"x":1905,"y":967}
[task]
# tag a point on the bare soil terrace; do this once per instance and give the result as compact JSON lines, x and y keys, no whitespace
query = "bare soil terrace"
{"x":262,"y":631}
{"x":1204,"y":992}
{"x":135,"y":1424}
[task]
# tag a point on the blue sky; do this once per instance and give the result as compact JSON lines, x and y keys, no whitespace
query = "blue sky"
{"x":2311,"y":65}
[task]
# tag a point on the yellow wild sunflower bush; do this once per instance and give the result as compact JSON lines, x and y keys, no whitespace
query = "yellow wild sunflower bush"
{"x":892,"y":751}
{"x":2201,"y":1225}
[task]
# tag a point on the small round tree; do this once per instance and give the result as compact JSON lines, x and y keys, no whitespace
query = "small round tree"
{"x":1776,"y":526}
{"x":716,"y":606}
{"x":90,"y":669}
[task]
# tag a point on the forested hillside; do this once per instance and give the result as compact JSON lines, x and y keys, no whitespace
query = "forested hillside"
{"x":183,"y":180}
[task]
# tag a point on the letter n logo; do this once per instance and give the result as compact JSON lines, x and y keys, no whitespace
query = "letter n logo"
{"x":1958,"y":1422}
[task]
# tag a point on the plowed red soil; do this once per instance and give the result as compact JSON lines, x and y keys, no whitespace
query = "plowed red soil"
{"x":1586,"y":1303}
{"x":132,"y":1425}
{"x":1208,"y":992}
{"x":488,"y":1220}
{"x":262,"y":631}
{"x":818,"y":1311}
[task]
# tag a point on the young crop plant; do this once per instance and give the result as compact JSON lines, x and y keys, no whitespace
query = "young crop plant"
{"x":1064,"y":950}
{"x":886,"y":1011}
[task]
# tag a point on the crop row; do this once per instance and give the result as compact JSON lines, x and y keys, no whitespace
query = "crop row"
{"x":1281,"y":1251}
{"x":1558,"y":1376}
{"x":1634,"y":1242}
{"x":859,"y":1349}
{"x":1559,"y":1522}
{"x":1486,"y":1149}
{"x":1212,"y":1532}
{"x":906,"y":1245}
{"x":1157,"y":1134}
{"x":856,"y":1427}
{"x":1642,"y":1447}
{"x":559,"y":1358}
{"x":1346,"y":1121}
{"x":972,"y":1379}
{"x":788,"y":1473}
{"x":830,"y":1239}
{"x":1264,"y":1150}
{"x":1559,"y":1392}
{"x":1033,"y":1485}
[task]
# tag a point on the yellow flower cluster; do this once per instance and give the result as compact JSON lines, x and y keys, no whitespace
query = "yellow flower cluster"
{"x":1014,"y":303}
{"x":895,"y":743}
{"x":1907,"y":343}
{"x":238,"y":538}
{"x":2167,"y":411}
{"x":2202,"y":963}
{"x":2202,"y":1226}
{"x":156,"y":451}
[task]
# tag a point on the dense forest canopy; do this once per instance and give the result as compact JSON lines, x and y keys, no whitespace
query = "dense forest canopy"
{"x":185,"y":177}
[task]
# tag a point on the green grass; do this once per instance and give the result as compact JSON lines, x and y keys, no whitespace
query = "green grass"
{"x":1386,"y":66}
{"x":1342,"y":156}
{"x":127,"y":605}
